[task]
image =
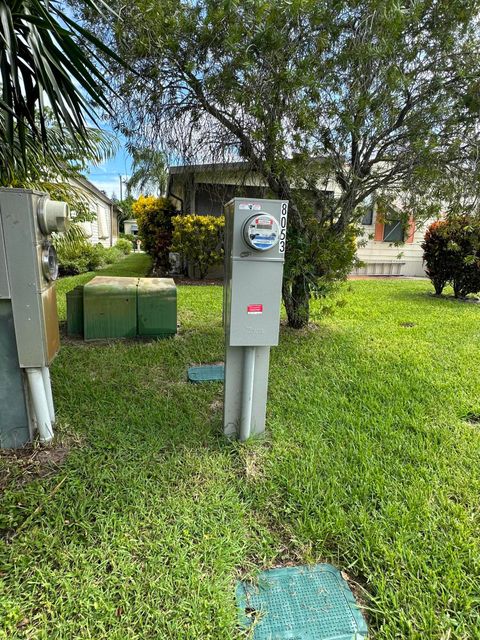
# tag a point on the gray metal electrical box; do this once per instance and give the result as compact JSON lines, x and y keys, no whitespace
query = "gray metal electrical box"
{"x":29,"y":335}
{"x":255,"y":240}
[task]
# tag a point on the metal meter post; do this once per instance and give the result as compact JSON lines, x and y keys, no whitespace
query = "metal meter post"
{"x":29,"y":335}
{"x":255,"y":236}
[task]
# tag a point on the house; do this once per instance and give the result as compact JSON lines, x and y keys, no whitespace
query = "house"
{"x":381,"y":253}
{"x":103,"y":229}
{"x":205,"y":188}
{"x":130,"y":227}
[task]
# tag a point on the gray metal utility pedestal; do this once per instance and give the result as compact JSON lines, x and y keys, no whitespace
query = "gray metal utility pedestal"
{"x":255,"y":237}
{"x":29,"y":336}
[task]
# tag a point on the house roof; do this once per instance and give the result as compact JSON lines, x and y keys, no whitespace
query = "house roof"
{"x":89,"y":186}
{"x":218,"y":168}
{"x":214,"y":166}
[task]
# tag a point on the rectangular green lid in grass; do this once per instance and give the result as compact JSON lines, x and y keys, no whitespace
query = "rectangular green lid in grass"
{"x":206,"y":373}
{"x":300,"y":603}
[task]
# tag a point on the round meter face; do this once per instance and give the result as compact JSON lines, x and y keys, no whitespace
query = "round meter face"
{"x":49,"y":262}
{"x":262,"y":232}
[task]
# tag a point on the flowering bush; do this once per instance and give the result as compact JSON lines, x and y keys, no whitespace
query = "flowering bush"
{"x":199,"y":239}
{"x":154,"y":217}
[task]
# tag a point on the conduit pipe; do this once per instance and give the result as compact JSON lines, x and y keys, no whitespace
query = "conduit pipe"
{"x":40,"y":403}
{"x":247,"y":392}
{"x":48,"y":392}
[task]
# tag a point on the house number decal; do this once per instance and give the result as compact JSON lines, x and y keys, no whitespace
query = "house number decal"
{"x":283,"y":228}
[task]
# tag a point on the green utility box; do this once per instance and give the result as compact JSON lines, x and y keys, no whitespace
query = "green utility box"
{"x":110,"y":308}
{"x":75,"y":312}
{"x":156,"y":307}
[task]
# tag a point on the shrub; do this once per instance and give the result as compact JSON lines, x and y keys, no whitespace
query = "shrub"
{"x":436,"y":256}
{"x":154,"y":216}
{"x":199,"y":239}
{"x":127,"y":236}
{"x":83,"y":257}
{"x":124,"y":245}
{"x":110,"y":255}
{"x":72,"y":266}
{"x":464,"y":244}
{"x":452,"y":255}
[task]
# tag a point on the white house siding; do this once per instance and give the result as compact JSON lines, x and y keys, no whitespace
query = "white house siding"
{"x":92,"y":231}
{"x":384,"y":258}
{"x":99,"y":230}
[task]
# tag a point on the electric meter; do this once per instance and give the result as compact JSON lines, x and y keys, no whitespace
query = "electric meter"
{"x":261,"y":232}
{"x":52,"y":216}
{"x":49,"y":262}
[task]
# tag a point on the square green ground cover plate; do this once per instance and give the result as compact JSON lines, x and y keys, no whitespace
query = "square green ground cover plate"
{"x":207,"y":373}
{"x":301,"y":603}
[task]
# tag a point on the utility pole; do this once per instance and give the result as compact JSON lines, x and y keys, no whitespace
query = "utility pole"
{"x":121,"y":187}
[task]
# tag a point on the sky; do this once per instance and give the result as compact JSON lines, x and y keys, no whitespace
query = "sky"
{"x":106,"y":176}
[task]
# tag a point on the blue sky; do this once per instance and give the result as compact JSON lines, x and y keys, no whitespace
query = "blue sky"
{"x":106,"y":176}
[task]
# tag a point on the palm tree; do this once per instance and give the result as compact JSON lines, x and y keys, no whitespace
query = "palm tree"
{"x":42,"y":67}
{"x":148,"y":171}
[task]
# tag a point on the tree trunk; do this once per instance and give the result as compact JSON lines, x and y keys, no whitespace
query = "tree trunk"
{"x":439,"y":286}
{"x":296,"y":297}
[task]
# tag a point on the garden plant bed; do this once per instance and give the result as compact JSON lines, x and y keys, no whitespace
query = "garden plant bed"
{"x":369,"y":464}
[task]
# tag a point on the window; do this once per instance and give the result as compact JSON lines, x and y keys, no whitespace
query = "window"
{"x":393,"y":231}
{"x":369,"y":207}
{"x":368,"y":217}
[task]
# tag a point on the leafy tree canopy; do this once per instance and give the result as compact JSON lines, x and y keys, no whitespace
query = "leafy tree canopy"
{"x":377,"y":97}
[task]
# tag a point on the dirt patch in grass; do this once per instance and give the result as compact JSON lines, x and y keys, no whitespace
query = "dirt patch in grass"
{"x":20,"y":466}
{"x":358,"y":586}
{"x":216,"y":405}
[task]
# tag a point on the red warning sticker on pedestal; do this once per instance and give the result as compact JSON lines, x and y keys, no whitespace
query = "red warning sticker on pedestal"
{"x":255,"y":309}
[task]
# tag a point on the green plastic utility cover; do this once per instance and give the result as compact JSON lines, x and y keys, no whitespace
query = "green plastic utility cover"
{"x":207,"y":373}
{"x":75,"y":312}
{"x":110,"y":308}
{"x":157,"y":307}
{"x":301,"y":603}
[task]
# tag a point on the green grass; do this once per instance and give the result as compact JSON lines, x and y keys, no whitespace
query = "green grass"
{"x":369,"y":464}
{"x":135,"y":264}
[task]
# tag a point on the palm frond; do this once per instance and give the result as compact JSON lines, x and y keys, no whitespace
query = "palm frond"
{"x":42,"y":63}
{"x":148,"y":170}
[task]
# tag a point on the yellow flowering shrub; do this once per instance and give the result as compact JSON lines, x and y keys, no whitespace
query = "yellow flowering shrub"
{"x":154,"y":217}
{"x":199,"y":239}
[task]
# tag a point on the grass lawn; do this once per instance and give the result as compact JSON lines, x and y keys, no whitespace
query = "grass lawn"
{"x":370,"y":464}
